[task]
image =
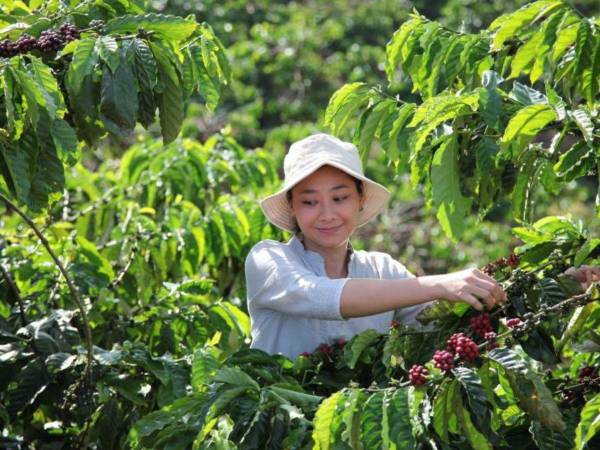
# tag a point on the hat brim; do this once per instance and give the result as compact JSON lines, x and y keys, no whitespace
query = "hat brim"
{"x":278,"y":212}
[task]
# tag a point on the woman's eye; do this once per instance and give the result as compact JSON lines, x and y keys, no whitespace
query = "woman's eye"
{"x":339,"y":199}
{"x":307,"y":202}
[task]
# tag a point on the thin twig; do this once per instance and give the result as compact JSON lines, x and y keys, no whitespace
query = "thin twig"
{"x":70,"y":284}
{"x":13,"y":287}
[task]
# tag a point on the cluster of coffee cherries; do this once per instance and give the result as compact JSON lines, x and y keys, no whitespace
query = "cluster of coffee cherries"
{"x":588,"y":373}
{"x":589,"y":379}
{"x":459,"y":346}
{"x":418,"y":375}
{"x":511,"y":261}
{"x":463,"y":346}
{"x":327,"y":349}
{"x":48,"y":42}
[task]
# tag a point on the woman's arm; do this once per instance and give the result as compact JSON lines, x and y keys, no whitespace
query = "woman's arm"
{"x":363,"y":297}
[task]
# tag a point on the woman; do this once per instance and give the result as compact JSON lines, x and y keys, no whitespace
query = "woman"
{"x":316,"y":288}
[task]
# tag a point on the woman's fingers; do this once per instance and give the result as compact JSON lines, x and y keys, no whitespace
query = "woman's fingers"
{"x":491,"y":285}
{"x":468,"y":298}
{"x":484,"y":295}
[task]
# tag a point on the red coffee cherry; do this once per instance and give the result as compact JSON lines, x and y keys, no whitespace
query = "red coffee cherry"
{"x":491,"y":338}
{"x":418,"y":375}
{"x":443,"y":360}
{"x":481,"y":324}
{"x":514,"y":322}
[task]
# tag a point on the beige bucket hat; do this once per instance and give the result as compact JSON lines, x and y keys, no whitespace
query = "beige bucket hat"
{"x":307,"y":155}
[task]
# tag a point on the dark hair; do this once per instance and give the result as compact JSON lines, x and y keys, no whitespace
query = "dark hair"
{"x":288,"y":196}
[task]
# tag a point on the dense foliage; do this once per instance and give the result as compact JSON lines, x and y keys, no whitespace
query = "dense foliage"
{"x":122,"y":298}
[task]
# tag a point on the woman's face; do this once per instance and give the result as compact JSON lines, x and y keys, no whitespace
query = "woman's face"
{"x":326,"y":206}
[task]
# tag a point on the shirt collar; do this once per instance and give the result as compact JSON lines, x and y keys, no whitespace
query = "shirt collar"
{"x":313,"y":257}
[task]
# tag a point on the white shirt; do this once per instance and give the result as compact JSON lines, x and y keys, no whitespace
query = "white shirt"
{"x":294,"y":306}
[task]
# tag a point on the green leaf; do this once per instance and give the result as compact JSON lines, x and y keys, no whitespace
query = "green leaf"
{"x":479,"y":405}
{"x":144,"y":66}
{"x":88,"y":249}
{"x":514,"y":22}
{"x":589,"y":424}
{"x":108,"y":50}
{"x":490,"y":103}
{"x":539,"y":345}
{"x":343,"y":103}
{"x":584,"y":122}
{"x":322,"y":422}
{"x":535,"y":398}
{"x":526,"y":54}
{"x":566,"y":35}
{"x":32,"y":381}
{"x":575,"y":162}
{"x":119,"y":103}
{"x":44,"y":78}
{"x":527,"y":95}
{"x":235,"y":377}
{"x":46,"y":170}
{"x":65,"y":141}
{"x":292,"y":394}
{"x":576,"y":323}
{"x":551,"y":291}
{"x":17,"y":174}
{"x":391,"y":140}
{"x":549,"y":31}
{"x":354,"y":348}
{"x":204,"y":367}
{"x":397,"y":428}
{"x":508,"y":359}
{"x":524,"y":187}
{"x":370,"y":123}
{"x":452,"y":206}
{"x":590,"y":78}
{"x":585,"y":250}
{"x":524,"y":126}
{"x":444,"y":415}
{"x":475,"y":438}
{"x":436,"y":110}
{"x":371,"y":421}
{"x":207,"y":87}
{"x":15,"y":126}
{"x":85,"y":57}
{"x":551,"y":440}
{"x":395,"y":47}
{"x":170,"y":99}
{"x":485,"y":162}
{"x":352,"y":409}
{"x":170,"y":28}
{"x":584,"y":48}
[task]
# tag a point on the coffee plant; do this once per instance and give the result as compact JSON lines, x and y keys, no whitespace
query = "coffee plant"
{"x":122,"y":315}
{"x":499,"y":112}
{"x":91,"y":69}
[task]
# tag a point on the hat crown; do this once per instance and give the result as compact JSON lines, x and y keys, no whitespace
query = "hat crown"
{"x":319,"y":149}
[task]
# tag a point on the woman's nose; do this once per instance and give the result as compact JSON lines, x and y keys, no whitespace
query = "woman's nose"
{"x":327,"y":210}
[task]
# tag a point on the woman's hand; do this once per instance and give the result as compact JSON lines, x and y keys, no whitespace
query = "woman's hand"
{"x":468,"y":286}
{"x":586,"y":275}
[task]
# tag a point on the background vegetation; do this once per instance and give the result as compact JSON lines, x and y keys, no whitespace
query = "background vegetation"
{"x":135,"y":140}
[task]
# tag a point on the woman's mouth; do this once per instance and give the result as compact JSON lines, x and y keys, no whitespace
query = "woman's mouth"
{"x":330,"y":230}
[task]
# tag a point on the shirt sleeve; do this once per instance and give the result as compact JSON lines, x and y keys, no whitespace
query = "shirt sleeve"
{"x":407,"y":315}
{"x":278,"y":280}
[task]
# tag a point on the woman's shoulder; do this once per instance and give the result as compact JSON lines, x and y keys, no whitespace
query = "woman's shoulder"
{"x":385,"y":263}
{"x":268,"y":244}
{"x":268,"y":248}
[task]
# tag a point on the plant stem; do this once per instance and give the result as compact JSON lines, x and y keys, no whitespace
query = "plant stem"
{"x":70,"y":284}
{"x":13,"y":288}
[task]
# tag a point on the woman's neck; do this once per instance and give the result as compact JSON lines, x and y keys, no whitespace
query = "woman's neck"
{"x":335,"y":259}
